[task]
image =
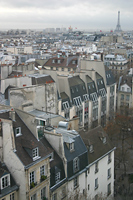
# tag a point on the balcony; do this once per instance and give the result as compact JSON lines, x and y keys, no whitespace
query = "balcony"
{"x":43,"y":178}
{"x":32,"y":185}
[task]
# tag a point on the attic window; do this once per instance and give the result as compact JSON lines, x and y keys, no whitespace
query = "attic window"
{"x":35,"y":153}
{"x":71,"y":146}
{"x":59,"y":61}
{"x":91,"y":148}
{"x":5,"y":181}
{"x":53,"y":61}
{"x":51,"y":157}
{"x":18,"y":131}
{"x":73,"y":62}
{"x":104,"y":140}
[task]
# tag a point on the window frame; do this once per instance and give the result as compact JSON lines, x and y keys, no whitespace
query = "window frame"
{"x":34,"y":197}
{"x":96,"y":183}
{"x":57,"y":177}
{"x":7,"y":181}
{"x":35,"y":153}
{"x":32,"y":177}
{"x":75,"y":182}
{"x":19,"y":131}
{"x":76,"y":164}
{"x":109,"y":173}
{"x":43,"y":193}
{"x":12,"y":196}
{"x":96,"y":167}
{"x":42,"y":170}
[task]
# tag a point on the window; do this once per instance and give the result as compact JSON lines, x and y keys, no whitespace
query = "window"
{"x":109,"y":173}
{"x":123,"y":89}
{"x":88,"y":186}
{"x":63,"y":191}
{"x":35,"y":153}
{"x":34,"y":197}
{"x":122,"y":96}
{"x":18,"y":131}
{"x":42,"y":170}
{"x":96,"y":183}
{"x":75,"y":182}
{"x":62,"y":69}
{"x":109,"y":158}
{"x":51,"y":157}
{"x":96,"y":167}
{"x":54,"y":196}
{"x":109,"y":189}
{"x":77,"y":101}
{"x":5,"y":181}
{"x":127,"y":97}
{"x":128,"y":89}
{"x":71,"y":146}
{"x":91,"y":148}
{"x":32,"y":177}
{"x":57,"y":177}
{"x":76,"y":165}
{"x":43,"y":193}
{"x":104,"y":140}
{"x":12,"y":196}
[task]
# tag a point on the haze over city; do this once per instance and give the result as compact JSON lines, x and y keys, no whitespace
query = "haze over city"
{"x":86,"y":15}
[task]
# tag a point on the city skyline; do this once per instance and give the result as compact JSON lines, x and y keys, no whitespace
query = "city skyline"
{"x":87,"y":15}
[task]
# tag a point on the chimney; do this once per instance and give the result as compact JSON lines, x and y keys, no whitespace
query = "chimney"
{"x":12,"y":114}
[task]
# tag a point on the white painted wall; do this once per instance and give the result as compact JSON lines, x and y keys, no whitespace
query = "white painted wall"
{"x":103,"y":181}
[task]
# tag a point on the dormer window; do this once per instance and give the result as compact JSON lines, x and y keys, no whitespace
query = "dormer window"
{"x":53,"y":61}
{"x":57,"y":177}
{"x":73,"y":62}
{"x":59,"y":61}
{"x":18,"y":131}
{"x":104,"y":140}
{"x":35,"y":153}
{"x":51,"y":157}
{"x":76,"y":165}
{"x":71,"y":146}
{"x":5,"y":181}
{"x":91,"y":148}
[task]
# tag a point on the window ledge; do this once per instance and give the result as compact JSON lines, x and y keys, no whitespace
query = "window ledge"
{"x":36,"y":158}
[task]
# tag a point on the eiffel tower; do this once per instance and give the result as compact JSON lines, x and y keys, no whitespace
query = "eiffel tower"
{"x":118,"y":26}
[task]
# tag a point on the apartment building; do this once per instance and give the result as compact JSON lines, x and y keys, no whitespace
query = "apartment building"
{"x":100,"y":170}
{"x":26,"y":157}
{"x":124,"y":94}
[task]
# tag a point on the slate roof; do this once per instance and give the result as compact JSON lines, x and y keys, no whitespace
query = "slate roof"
{"x":55,"y":164}
{"x":13,"y":186}
{"x":77,"y":87}
{"x":110,"y":80}
{"x":64,"y":62}
{"x":26,"y":140}
{"x":126,"y":80}
{"x":93,"y":137}
{"x":38,"y":79}
{"x":91,"y":87}
{"x":16,"y":74}
{"x":65,"y":98}
{"x":80,"y":151}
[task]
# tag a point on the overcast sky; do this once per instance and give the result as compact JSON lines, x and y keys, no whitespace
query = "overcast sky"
{"x":80,"y":14}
